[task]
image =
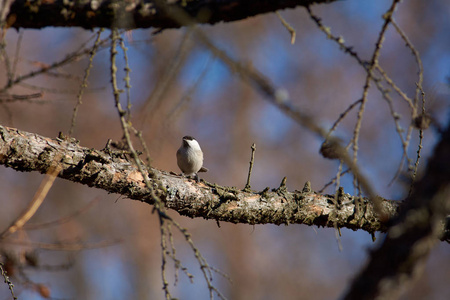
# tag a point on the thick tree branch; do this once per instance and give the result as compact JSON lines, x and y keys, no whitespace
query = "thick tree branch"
{"x":111,"y":172}
{"x":138,"y":13}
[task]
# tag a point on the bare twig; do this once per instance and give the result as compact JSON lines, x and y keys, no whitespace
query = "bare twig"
{"x":170,"y":73}
{"x":83,"y":85}
{"x":204,"y":267}
{"x":16,"y":56}
{"x":5,"y":56}
{"x":288,"y":27}
{"x":68,"y":59}
{"x":65,"y":246}
{"x":333,"y":180}
{"x":126,"y":78}
{"x":252,"y":159}
{"x":398,"y":90}
{"x":64,"y":219}
{"x":7,"y":281}
{"x":164,"y":252}
{"x":146,"y":151}
{"x":184,"y":100}
{"x":56,"y":90}
{"x":404,"y":155}
{"x":338,"y":39}
{"x":342,"y":116}
{"x":15,"y":98}
{"x":424,"y":118}
{"x":419,"y":89}
{"x":416,"y":165}
{"x":38,"y":198}
{"x":396,"y":118}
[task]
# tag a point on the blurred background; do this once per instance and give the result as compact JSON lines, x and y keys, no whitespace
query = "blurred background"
{"x":179,"y":88}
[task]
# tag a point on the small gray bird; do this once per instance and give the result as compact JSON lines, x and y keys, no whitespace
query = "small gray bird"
{"x":190,"y":157}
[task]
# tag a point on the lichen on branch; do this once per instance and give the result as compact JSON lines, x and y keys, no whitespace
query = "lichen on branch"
{"x":115,"y":173}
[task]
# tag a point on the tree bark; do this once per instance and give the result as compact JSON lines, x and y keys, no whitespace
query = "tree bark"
{"x":114,"y":173}
{"x":90,"y":14}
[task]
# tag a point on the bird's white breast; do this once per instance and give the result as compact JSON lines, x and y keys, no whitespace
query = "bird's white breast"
{"x":194,"y":145}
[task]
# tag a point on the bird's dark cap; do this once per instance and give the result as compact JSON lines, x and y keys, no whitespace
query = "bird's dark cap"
{"x":188,"y":137}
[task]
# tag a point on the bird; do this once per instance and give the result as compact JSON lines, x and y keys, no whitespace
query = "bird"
{"x":190,"y":157}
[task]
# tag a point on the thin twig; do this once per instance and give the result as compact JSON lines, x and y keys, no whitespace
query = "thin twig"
{"x":398,"y":90}
{"x":15,"y":98}
{"x":173,"y":255}
{"x":204,"y":267}
{"x":168,"y":76}
{"x":419,"y":150}
{"x":338,"y":39}
{"x":38,"y":198}
{"x":416,"y":165}
{"x":252,"y":159}
{"x":288,"y":27}
{"x":68,"y":59}
{"x":373,"y":62}
{"x":396,"y":118}
{"x":84,"y":85}
{"x":126,"y":78}
{"x":164,"y":260}
{"x":402,"y":160}
{"x":187,"y":95}
{"x":369,"y":76}
{"x":64,"y":219}
{"x":7,"y":281}
{"x":55,"y":90}
{"x":342,"y":116}
{"x":75,"y":246}
{"x":16,"y":56}
{"x":333,"y":180}
{"x":146,"y":151}
{"x":416,"y":55}
{"x":5,"y":56}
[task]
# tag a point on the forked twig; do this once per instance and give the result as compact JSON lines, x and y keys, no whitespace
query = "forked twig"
{"x":288,"y":27}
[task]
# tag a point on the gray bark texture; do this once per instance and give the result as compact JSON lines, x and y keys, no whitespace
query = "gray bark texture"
{"x":132,"y":14}
{"x":113,"y":172}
